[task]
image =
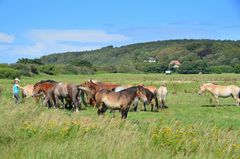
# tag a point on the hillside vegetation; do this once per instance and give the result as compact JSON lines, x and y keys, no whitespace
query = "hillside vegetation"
{"x":204,"y":55}
{"x":195,"y":56}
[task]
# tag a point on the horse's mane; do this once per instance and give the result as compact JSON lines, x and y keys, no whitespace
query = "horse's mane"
{"x":130,"y":89}
{"x":45,"y":81}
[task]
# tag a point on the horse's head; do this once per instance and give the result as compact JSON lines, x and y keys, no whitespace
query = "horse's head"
{"x":141,"y":94}
{"x":202,"y":89}
{"x":36,"y":88}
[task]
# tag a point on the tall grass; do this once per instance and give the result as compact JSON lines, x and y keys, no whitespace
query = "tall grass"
{"x":190,"y":128}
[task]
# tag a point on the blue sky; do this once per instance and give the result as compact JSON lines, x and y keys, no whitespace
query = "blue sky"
{"x":35,"y":28}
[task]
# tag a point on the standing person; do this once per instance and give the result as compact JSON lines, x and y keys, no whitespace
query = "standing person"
{"x":16,"y":89}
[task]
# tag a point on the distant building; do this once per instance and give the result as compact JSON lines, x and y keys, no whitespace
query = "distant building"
{"x":150,"y":60}
{"x":175,"y":63}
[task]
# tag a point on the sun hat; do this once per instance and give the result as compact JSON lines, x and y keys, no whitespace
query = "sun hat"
{"x":16,"y":79}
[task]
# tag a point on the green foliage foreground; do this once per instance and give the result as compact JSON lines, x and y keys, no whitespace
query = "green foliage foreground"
{"x":190,"y":128}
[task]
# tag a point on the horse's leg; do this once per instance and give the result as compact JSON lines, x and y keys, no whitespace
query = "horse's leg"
{"x":151,"y":107}
{"x":144,"y":105}
{"x":164,"y":105}
{"x":156,"y":102}
{"x":76,"y":103}
{"x":236,"y":99}
{"x":102,"y":109}
{"x":82,"y":97}
{"x":56,"y":104}
{"x":217,"y":100}
{"x":124,"y":112}
{"x":135,"y":104}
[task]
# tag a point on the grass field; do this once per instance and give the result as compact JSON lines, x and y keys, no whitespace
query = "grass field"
{"x":191,"y":128}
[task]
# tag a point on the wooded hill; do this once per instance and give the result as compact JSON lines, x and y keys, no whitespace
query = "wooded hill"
{"x":202,"y":55}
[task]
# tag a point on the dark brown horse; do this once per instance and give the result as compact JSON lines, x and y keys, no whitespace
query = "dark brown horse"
{"x":106,"y":99}
{"x":96,"y":86}
{"x":68,"y":92}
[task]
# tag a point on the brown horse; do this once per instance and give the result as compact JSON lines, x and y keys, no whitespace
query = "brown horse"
{"x":106,"y":99}
{"x":43,"y":87}
{"x":68,"y":92}
{"x":96,"y":86}
{"x":151,"y":93}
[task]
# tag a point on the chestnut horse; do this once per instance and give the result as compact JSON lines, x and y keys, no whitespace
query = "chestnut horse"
{"x":106,"y":99}
{"x":43,"y":87}
{"x":96,"y":86}
{"x":221,"y":91}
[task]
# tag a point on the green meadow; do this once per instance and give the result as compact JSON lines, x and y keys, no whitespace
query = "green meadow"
{"x":192,"y":126}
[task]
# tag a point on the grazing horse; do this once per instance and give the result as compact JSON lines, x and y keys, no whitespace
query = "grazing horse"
{"x":152,"y":96}
{"x":68,"y":92}
{"x":119,"y":100}
{"x":161,"y":95}
{"x":148,"y":94}
{"x":27,"y":91}
{"x":221,"y":91}
{"x":96,"y":86}
{"x":43,"y":87}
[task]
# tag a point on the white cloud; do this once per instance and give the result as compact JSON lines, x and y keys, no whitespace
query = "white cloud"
{"x":5,"y":38}
{"x":44,"y":41}
{"x":83,"y":36}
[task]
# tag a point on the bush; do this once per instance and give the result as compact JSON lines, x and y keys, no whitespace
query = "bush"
{"x":155,"y":68}
{"x":49,"y":69}
{"x":9,"y":73}
{"x":126,"y":69}
{"x":193,"y":67}
{"x":26,"y":69}
{"x":221,"y":69}
{"x":237,"y":69}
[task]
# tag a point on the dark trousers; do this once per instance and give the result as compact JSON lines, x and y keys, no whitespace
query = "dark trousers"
{"x":17,"y":98}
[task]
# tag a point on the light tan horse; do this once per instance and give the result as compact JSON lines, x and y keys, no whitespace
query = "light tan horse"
{"x":27,"y":91}
{"x":221,"y":91}
{"x":161,"y":95}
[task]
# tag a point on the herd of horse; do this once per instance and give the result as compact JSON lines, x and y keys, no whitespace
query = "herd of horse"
{"x":101,"y":95}
{"x":112,"y":96}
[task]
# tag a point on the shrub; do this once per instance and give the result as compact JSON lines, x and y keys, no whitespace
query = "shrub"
{"x":49,"y":69}
{"x":9,"y":73}
{"x":155,"y":68}
{"x":237,"y":69}
{"x":26,"y":69}
{"x":221,"y":69}
{"x":193,"y":67}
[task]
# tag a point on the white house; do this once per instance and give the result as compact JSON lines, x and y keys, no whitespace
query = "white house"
{"x":150,"y":60}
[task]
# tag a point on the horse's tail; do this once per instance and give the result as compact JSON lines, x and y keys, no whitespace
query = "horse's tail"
{"x":239,"y":92}
{"x":87,"y":90}
{"x":83,"y":98}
